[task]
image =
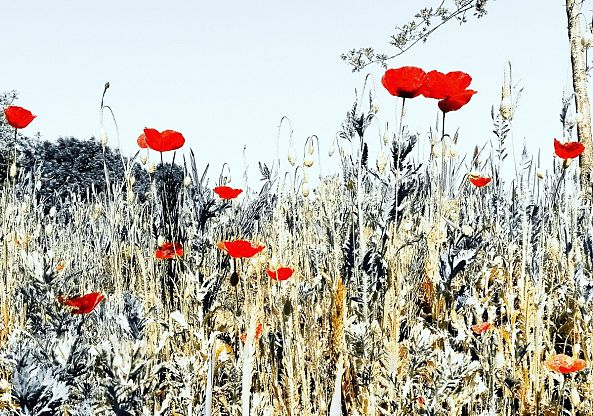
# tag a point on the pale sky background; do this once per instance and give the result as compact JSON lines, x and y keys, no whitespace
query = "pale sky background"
{"x":224,"y":73}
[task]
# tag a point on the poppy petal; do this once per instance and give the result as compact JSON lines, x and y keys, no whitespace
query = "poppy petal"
{"x":164,"y":141}
{"x":169,"y":251}
{"x":568,"y":150}
{"x":240,"y":248}
{"x":18,"y":117}
{"x":405,"y":82}
{"x":479,"y":181}
{"x":282,"y":273}
{"x":141,"y":140}
{"x":455,"y":102}
{"x":226,"y":192}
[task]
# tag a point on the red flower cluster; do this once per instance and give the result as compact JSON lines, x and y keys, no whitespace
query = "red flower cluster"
{"x":161,"y":141}
{"x":18,"y":117}
{"x":562,"y":363}
{"x":481,"y":327}
{"x":258,"y":330}
{"x":281,"y":273}
{"x":83,"y":304}
{"x":226,"y":192}
{"x":239,"y":248}
{"x":450,"y":88}
{"x":479,"y":181}
{"x":169,"y":250}
{"x":568,"y":150}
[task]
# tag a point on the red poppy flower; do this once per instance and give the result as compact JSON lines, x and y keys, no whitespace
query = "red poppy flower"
{"x":258,"y":331}
{"x":18,"y":117}
{"x":568,"y":150}
{"x":479,"y":181}
{"x":481,"y":327}
{"x":455,"y":102}
{"x":226,"y":192}
{"x":405,"y":82}
{"x":83,"y":304}
{"x":282,"y":273}
{"x":562,"y":363}
{"x":169,"y":251}
{"x":164,"y":141}
{"x":239,"y":248}
{"x":440,"y":86}
{"x":141,"y":140}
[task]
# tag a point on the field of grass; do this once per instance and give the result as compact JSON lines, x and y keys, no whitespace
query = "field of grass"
{"x":395,"y":263}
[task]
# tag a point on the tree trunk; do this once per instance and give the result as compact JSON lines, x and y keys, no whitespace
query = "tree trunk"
{"x":579,"y":82}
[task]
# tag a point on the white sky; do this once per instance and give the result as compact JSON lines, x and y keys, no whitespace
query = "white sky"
{"x":224,"y":73}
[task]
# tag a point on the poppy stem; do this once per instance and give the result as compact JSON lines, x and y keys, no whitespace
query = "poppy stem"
{"x":401,"y":119}
{"x":560,"y":395}
{"x":443,"y":168}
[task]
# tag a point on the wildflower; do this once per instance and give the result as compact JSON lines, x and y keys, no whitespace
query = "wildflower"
{"x":281,"y":273}
{"x":240,"y":248}
{"x":226,"y":192}
{"x":404,"y":82}
{"x":18,"y":117}
{"x":258,"y":332}
{"x":83,"y":304}
{"x":479,"y":181}
{"x":141,"y":140}
{"x":562,"y":363}
{"x":455,"y":102}
{"x":450,"y":88}
{"x":60,"y":266}
{"x":169,"y":250}
{"x":568,"y":150}
{"x":163,"y":141}
{"x":481,"y":327}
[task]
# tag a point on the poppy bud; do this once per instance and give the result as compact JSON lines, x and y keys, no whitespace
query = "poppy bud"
{"x":374,"y":108}
{"x":38,"y":186}
{"x":306,"y":189}
{"x":151,"y":168}
{"x":310,"y":148}
{"x":587,"y":39}
{"x":291,"y":158}
{"x":332,"y":148}
{"x":103,"y":137}
{"x":506,"y":107}
{"x":540,"y":173}
{"x":144,"y":159}
{"x":13,"y":170}
{"x":234,"y":279}
{"x":160,"y":241}
{"x":308,"y":162}
{"x":187,"y":181}
{"x":381,"y":162}
{"x":453,"y":151}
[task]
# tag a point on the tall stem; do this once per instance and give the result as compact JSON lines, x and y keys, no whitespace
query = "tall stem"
{"x":579,"y":82}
